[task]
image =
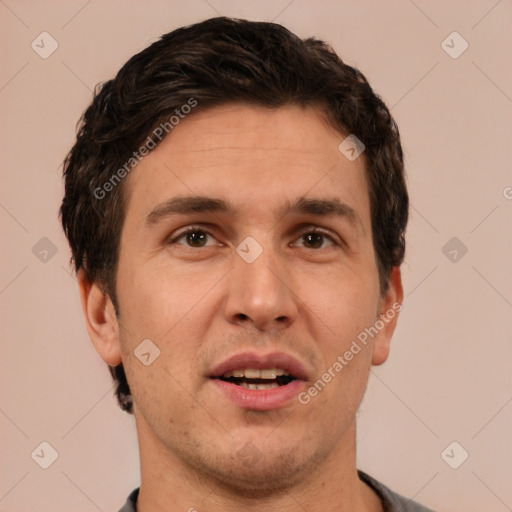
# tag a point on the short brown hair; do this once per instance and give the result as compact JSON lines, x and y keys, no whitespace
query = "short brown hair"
{"x":218,"y":61}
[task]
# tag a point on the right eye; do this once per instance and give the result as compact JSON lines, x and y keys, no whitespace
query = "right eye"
{"x":194,"y":237}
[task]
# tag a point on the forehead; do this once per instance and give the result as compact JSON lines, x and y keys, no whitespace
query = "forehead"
{"x":253,"y":157}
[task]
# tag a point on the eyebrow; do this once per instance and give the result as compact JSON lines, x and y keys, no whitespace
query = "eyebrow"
{"x":187,"y":205}
{"x":194,"y":204}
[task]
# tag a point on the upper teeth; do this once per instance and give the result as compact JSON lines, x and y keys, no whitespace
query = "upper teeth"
{"x":250,"y":373}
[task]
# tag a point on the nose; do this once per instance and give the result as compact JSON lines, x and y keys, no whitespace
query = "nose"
{"x":261,"y":293}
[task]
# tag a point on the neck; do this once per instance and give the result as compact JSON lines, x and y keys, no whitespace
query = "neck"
{"x":170,"y":483}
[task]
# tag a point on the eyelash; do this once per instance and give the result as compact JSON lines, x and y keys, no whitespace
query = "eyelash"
{"x":193,"y":229}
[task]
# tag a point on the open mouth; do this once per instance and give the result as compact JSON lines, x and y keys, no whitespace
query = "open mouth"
{"x":259,"y":382}
{"x":267,"y":378}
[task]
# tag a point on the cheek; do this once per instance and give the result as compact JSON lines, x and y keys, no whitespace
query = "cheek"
{"x":161,"y":305}
{"x":344,"y":303}
{"x":173,"y":309}
{"x":157,"y":388}
{"x":163,"y":298}
{"x":343,"y":312}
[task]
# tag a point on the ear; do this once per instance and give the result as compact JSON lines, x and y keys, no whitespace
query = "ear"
{"x":100,"y":320}
{"x":389,"y":307}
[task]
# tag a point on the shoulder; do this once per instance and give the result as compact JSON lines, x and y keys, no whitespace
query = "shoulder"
{"x":392,"y":501}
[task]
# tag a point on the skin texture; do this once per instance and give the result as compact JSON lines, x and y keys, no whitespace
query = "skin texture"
{"x":200,"y":303}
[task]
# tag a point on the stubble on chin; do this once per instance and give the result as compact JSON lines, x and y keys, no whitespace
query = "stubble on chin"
{"x":250,"y":473}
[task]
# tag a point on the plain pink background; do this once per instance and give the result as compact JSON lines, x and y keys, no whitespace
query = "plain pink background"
{"x":449,"y":376}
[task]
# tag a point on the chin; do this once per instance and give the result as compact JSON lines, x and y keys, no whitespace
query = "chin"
{"x":251,"y":474}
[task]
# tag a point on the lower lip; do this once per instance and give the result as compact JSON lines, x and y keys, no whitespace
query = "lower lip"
{"x":259,"y":399}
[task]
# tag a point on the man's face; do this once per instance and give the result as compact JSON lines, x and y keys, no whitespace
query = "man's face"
{"x":207,"y":296}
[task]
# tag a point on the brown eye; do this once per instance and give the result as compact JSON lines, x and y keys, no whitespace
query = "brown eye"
{"x":316,"y":240}
{"x":313,"y":240}
{"x":194,"y":238}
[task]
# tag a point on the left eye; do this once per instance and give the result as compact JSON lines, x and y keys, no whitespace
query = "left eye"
{"x":316,"y":239}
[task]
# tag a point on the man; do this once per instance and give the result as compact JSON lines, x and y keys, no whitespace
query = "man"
{"x":236,"y":207}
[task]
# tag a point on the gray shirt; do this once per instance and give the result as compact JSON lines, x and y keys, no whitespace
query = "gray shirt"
{"x":391,"y":501}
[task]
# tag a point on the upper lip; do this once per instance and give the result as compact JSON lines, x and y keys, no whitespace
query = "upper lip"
{"x":257,"y":361}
